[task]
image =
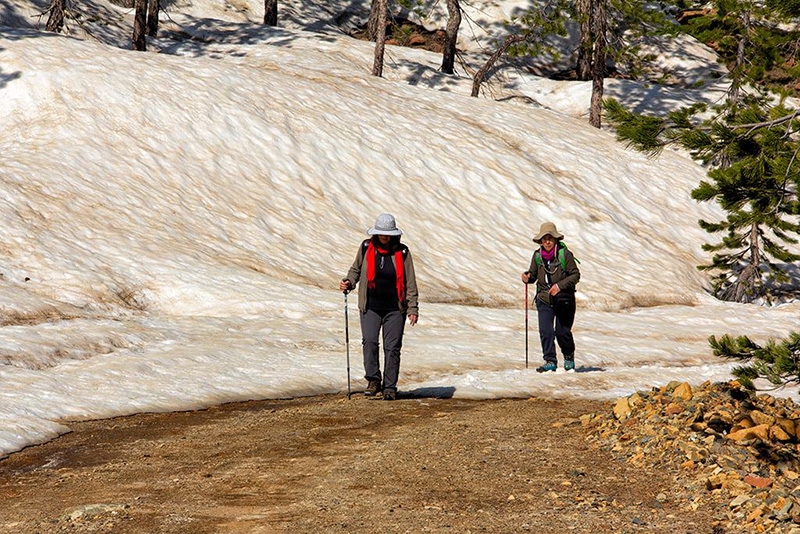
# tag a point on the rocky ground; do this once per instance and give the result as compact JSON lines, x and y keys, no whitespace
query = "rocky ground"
{"x":327,"y":464}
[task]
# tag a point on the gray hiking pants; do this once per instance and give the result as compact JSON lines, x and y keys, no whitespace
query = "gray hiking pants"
{"x":393,"y":323}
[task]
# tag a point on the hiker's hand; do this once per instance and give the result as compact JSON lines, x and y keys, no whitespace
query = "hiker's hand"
{"x":412,"y":319}
{"x":554,"y":290}
{"x":344,"y":285}
{"x":526,"y":277}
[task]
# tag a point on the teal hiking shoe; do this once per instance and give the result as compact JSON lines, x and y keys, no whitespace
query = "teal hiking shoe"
{"x":546,"y":368}
{"x":569,"y":365}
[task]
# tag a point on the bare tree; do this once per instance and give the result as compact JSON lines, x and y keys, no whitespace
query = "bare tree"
{"x":139,"y":39}
{"x":598,"y":30}
{"x":477,"y":80}
{"x":451,"y":36}
{"x":55,"y":22}
{"x":540,"y":22}
{"x":152,"y":17}
{"x":271,"y":12}
{"x":380,"y":38}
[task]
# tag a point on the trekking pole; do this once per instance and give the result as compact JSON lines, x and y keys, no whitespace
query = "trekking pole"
{"x":526,"y":326}
{"x":347,"y":342}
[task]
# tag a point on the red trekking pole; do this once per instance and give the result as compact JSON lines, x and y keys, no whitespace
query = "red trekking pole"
{"x":526,"y":326}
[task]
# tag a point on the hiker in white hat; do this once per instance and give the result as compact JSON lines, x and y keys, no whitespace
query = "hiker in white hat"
{"x":555,"y":272}
{"x":387,"y":293}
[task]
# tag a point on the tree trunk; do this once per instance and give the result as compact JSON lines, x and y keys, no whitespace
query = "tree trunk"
{"x":755,"y":250}
{"x":270,"y":12}
{"x":372,"y":23}
{"x":152,"y":17}
{"x":139,"y":25}
{"x":451,"y":36}
{"x":477,"y":80}
{"x":598,"y":61}
{"x":583,"y":69}
{"x":736,"y":82}
{"x":55,"y":22}
{"x":380,"y":39}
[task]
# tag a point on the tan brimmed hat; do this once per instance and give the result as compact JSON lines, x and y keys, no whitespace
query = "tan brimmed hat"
{"x":545,"y":229}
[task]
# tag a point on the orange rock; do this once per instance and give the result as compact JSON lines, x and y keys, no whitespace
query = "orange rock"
{"x":757,"y":432}
{"x":758,"y":482}
{"x":755,"y":514}
{"x":788,"y":425}
{"x":684,"y":391}
{"x":673,"y":409}
{"x":779,"y":434}
{"x":760,"y":418}
{"x":745,"y":422}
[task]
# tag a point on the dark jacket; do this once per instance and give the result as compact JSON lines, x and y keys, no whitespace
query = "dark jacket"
{"x":566,"y":278}
{"x":357,"y":276}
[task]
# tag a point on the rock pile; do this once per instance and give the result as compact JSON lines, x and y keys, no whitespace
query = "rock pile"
{"x":735,"y":452}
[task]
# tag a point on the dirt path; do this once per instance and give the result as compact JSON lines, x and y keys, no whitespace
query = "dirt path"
{"x":325,"y":464}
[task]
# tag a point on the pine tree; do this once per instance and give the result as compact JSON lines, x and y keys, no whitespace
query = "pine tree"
{"x":755,"y":178}
{"x":608,"y":30}
{"x":745,"y":35}
{"x":537,"y":24}
{"x":778,"y":362}
{"x":751,"y":146}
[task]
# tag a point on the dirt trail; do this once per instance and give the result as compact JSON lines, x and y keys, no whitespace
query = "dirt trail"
{"x":326,"y":464}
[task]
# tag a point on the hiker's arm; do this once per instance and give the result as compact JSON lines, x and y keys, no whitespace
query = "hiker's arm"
{"x":354,"y":274}
{"x":571,"y":273}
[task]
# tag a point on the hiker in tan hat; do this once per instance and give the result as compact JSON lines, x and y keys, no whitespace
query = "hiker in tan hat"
{"x":555,"y":272}
{"x":387,"y":294}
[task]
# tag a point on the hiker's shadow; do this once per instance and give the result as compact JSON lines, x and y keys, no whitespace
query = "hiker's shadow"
{"x":444,"y":392}
{"x":589,"y":369}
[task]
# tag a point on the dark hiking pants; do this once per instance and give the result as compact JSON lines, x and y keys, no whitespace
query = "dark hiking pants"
{"x":393,"y":323}
{"x":555,"y":324}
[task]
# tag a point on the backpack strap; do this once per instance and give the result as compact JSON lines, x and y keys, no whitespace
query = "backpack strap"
{"x":537,"y":256}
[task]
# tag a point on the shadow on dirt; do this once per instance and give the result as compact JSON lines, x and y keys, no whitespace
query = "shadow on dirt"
{"x":445,"y":392}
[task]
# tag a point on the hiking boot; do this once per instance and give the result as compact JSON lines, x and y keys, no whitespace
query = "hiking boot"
{"x":569,"y":364}
{"x":373,"y":388}
{"x":390,"y":394}
{"x":546,"y":368}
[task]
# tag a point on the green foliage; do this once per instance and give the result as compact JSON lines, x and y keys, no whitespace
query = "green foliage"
{"x":416,"y":6}
{"x":788,"y":8}
{"x":536,"y":25}
{"x":752,"y":149}
{"x":750,"y":145}
{"x":771,"y":50}
{"x":402,"y":33}
{"x":627,"y":22}
{"x":637,"y":131}
{"x":777,"y":362}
